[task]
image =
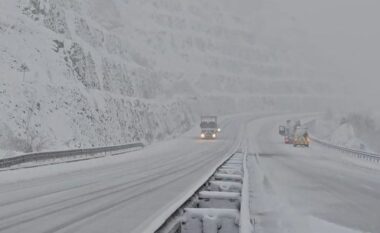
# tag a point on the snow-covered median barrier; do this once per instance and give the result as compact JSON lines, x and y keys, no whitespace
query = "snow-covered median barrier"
{"x":221,"y":205}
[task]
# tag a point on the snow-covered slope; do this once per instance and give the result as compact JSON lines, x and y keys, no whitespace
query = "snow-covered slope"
{"x":359,"y":131}
{"x":81,"y":73}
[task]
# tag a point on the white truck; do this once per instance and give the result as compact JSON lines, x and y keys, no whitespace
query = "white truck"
{"x":209,"y":127}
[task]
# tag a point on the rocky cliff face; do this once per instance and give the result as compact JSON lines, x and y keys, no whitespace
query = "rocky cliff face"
{"x":82,"y":73}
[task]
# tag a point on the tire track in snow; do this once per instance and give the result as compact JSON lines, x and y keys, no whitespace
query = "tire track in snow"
{"x":133,"y":186}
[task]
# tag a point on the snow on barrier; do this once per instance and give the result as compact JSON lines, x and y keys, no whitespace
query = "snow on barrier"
{"x":221,"y":205}
{"x":66,"y":154}
{"x":360,"y":154}
{"x":246,"y":226}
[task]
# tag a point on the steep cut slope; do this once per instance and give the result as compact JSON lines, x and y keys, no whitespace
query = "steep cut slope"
{"x":81,"y":73}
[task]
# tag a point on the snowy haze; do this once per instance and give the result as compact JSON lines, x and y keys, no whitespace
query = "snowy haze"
{"x":345,"y":33}
{"x":88,"y":73}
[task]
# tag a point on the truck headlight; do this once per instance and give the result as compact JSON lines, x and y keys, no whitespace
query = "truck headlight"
{"x":202,"y":135}
{"x":214,"y":135}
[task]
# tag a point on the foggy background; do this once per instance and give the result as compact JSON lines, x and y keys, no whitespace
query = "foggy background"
{"x":343,"y":35}
{"x":112,"y":72}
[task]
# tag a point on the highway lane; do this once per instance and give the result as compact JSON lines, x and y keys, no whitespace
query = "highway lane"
{"x":300,"y":189}
{"x":116,"y":194}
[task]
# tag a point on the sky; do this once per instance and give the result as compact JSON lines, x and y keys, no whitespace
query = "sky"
{"x":344,"y":34}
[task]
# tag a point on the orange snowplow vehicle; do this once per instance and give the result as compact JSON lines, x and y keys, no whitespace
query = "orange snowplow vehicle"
{"x":301,"y":138}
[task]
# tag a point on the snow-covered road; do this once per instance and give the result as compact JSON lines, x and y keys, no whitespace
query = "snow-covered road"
{"x":117,"y":194}
{"x":292,"y":189}
{"x":309,"y":190}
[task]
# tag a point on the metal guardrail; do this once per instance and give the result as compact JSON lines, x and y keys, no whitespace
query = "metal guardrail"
{"x":358,"y":153}
{"x":246,"y":225}
{"x":42,"y":156}
{"x":192,"y":203}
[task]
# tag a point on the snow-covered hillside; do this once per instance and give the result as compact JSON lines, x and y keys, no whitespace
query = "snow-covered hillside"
{"x":82,"y":73}
{"x":360,"y":131}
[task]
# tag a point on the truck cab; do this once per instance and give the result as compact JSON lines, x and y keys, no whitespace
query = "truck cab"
{"x":209,"y":127}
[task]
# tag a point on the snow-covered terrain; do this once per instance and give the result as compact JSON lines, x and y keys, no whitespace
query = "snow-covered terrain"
{"x":124,"y":193}
{"x":359,"y":131}
{"x":308,"y":189}
{"x":289,"y":193}
{"x":89,"y":73}
{"x":80,"y":73}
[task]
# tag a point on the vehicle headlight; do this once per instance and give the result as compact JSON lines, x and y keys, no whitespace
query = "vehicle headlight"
{"x":202,"y":135}
{"x":219,"y":130}
{"x":214,"y":135}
